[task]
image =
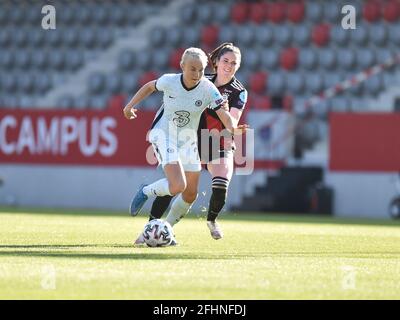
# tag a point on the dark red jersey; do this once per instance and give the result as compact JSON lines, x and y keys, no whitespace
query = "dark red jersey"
{"x":236,"y":95}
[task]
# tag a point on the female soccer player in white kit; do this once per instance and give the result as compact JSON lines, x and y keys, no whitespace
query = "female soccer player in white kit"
{"x":174,"y":131}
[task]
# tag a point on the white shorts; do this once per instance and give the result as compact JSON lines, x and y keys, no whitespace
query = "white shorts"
{"x":187,"y":154}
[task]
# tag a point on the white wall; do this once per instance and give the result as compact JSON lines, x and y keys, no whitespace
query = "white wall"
{"x":105,"y":188}
{"x":362,"y":194}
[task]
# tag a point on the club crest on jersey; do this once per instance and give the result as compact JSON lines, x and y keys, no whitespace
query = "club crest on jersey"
{"x":198,"y":103}
{"x":170,"y":150}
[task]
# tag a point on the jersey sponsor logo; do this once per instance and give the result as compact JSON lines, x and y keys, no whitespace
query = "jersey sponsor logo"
{"x":219,"y":101}
{"x":243,"y":96}
{"x":198,"y":103}
{"x":182,"y":119}
{"x":171,"y":97}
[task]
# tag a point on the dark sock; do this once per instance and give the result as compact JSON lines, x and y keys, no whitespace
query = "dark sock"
{"x":160,"y":205}
{"x":217,"y":202}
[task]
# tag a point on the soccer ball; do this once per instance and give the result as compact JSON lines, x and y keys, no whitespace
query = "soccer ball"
{"x":158,"y":233}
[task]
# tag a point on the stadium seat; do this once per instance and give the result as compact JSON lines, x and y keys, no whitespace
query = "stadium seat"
{"x":7,"y":59}
{"x":261,"y":102}
{"x":331,"y":79}
{"x":251,"y":59}
{"x":359,"y":36}
{"x":339,"y":35}
{"x":20,"y":37}
{"x":382,"y":55}
{"x":276,"y":11}
{"x":36,"y":38}
{"x":104,"y":38}
{"x":32,"y":15}
{"x":188,"y":14}
{"x":264,"y":35}
{"x":228,"y":33}
{"x":270,"y":59}
{"x":191,"y":37}
{"x":371,"y":11}
{"x":365,"y":58}
{"x":282,"y":35}
{"x":295,"y":11}
{"x":347,"y":58}
{"x":174,"y":36}
{"x":378,"y":34}
{"x":221,"y":14}
{"x":314,"y":11}
{"x":157,"y":36}
{"x":9,"y":83}
{"x":301,"y":35}
{"x":321,"y":34}
{"x":39,"y":59}
{"x":240,"y":12}
{"x":53,"y":38}
{"x":374,"y":84}
{"x":5,"y":37}
{"x":321,"y":108}
{"x":66,"y":16}
{"x":295,"y":82}
{"x":25,"y":83}
{"x":130,"y":82}
{"x":258,"y":82}
{"x":126,"y":60}
{"x":3,"y":16}
{"x":327,"y":58}
{"x":73,"y":59}
{"x":209,"y":35}
{"x":65,"y":102}
{"x":101,"y":16}
{"x":355,"y":89}
{"x":394,"y":34}
{"x":245,"y":36}
{"x":332,"y":12}
{"x":160,"y":58}
{"x":83,"y":14}
{"x":308,"y":59}
{"x":71,"y":37}
{"x":142,"y":60}
{"x":257,"y":13}
{"x":340,"y":104}
{"x":175,"y":58}
{"x":391,"y":11}
{"x":98,"y":102}
{"x":82,"y":102}
{"x":57,"y":59}
{"x":146,"y":77}
{"x":16,"y":17}
{"x":118,"y":16}
{"x":113,"y":83}
{"x":276,"y":83}
{"x":314,"y":83}
{"x":289,"y":58}
{"x":152,"y":102}
{"x":87,"y":38}
{"x":96,"y":83}
{"x":116,"y":102}
{"x":22,"y":59}
{"x":42,"y":83}
{"x":205,"y":13}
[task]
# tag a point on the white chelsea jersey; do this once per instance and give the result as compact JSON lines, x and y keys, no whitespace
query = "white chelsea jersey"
{"x":182,"y":107}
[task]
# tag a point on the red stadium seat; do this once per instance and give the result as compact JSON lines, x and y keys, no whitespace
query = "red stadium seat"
{"x":276,"y":12}
{"x":262,"y":102}
{"x":371,"y":11}
{"x":391,"y":11}
{"x":175,"y":58}
{"x":296,"y":11}
{"x":146,"y":77}
{"x":116,"y":102}
{"x":240,"y":12}
{"x":209,"y":36}
{"x":258,"y":12}
{"x":289,"y":58}
{"x":321,"y":34}
{"x":288,"y":103}
{"x":258,"y":82}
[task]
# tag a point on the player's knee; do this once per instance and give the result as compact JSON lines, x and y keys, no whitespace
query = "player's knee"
{"x":189,"y":196}
{"x":218,"y":199}
{"x":177,"y":187}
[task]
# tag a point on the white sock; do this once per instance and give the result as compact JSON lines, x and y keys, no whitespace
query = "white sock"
{"x":158,"y":188}
{"x":179,"y":209}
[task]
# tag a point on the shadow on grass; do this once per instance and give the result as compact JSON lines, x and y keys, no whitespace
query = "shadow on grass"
{"x":61,"y":251}
{"x":232,"y":216}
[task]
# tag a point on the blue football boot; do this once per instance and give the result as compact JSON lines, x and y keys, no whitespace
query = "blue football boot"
{"x":138,"y":201}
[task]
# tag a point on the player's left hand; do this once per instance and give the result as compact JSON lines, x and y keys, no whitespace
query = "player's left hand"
{"x":130,"y":112}
{"x":225,"y":106}
{"x":241,"y":129}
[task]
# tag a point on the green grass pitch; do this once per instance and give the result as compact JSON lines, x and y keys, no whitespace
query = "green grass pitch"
{"x":89,"y":255}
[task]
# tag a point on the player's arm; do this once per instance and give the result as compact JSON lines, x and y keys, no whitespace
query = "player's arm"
{"x":230,"y":123}
{"x":141,"y":94}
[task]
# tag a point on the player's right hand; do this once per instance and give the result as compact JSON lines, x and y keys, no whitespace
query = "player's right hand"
{"x":130,"y":112}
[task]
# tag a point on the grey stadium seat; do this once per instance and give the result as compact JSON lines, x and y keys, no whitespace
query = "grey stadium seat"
{"x":71,"y":37}
{"x":143,"y":60}
{"x":245,"y":36}
{"x":160,"y":58}
{"x":327,"y":58}
{"x":65,"y":102}
{"x":314,"y":11}
{"x":96,"y":82}
{"x":282,"y":34}
{"x":332,"y":12}
{"x":57,"y":59}
{"x":22,"y":59}
{"x":87,"y":38}
{"x":295,"y":82}
{"x":188,"y":14}
{"x":101,"y":16}
{"x":394,"y":34}
{"x":383,"y":54}
{"x":113,"y":83}
{"x":264,"y":35}
{"x":66,"y":16}
{"x":157,"y":36}
{"x":9,"y":83}
{"x":37,"y":38}
{"x":227,"y":33}
{"x":365,"y":58}
{"x":378,"y":34}
{"x":20,"y":37}
{"x":191,"y":37}
{"x":126,"y":60}
{"x":42,"y":83}
{"x":340,"y":104}
{"x":99,"y":102}
{"x":276,"y":83}
{"x":7,"y":58}
{"x":82,"y":102}
{"x":39,"y":59}
{"x":359,"y":36}
{"x":83,"y":14}
{"x":322,"y":108}
{"x":270,"y":59}
{"x":250,"y":59}
{"x":104,"y":37}
{"x":374,"y":84}
{"x":314,"y":83}
{"x":205,"y":13}
{"x":130,"y":82}
{"x":339,"y":35}
{"x":347,"y":58}
{"x":5,"y":37}
{"x":118,"y":16}
{"x":16,"y":16}
{"x":221,"y":13}
{"x":301,"y":35}
{"x":308,"y":59}
{"x":174,"y":36}
{"x":331,"y":79}
{"x":73,"y":59}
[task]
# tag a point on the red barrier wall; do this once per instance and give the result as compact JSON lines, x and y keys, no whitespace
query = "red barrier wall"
{"x":365,"y":142}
